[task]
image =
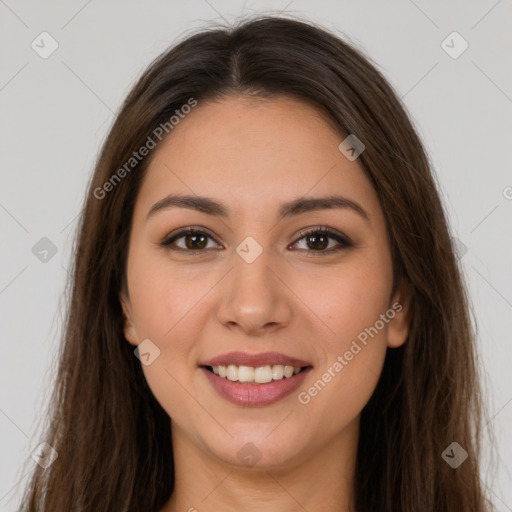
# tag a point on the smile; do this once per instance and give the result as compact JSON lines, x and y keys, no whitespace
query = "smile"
{"x":258,"y":375}
{"x":251,"y":393}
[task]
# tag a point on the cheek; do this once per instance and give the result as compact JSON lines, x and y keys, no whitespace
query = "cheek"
{"x":169,"y":315}
{"x":165,"y":319}
{"x":351,"y":304}
{"x":352,"y":362}
{"x":346,"y":301}
{"x":336,"y":396}
{"x":164,"y":295}
{"x":167,"y":308}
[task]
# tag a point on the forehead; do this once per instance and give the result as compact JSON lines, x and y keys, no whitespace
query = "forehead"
{"x":254,"y":153}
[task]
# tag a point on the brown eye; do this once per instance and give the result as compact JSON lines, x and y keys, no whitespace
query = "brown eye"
{"x":193,"y":240}
{"x":318,"y":240}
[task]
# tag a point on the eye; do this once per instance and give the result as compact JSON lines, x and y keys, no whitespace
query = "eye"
{"x":194,"y":240}
{"x":317,"y":240}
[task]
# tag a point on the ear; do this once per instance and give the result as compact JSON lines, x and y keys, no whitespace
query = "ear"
{"x":399,"y":323}
{"x":129,"y":329}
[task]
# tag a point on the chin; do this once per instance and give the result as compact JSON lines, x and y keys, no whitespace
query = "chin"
{"x":255,"y":450}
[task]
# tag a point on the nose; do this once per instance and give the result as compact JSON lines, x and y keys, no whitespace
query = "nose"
{"x":255,"y":297}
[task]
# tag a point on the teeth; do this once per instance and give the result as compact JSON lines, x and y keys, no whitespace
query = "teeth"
{"x":245,"y":374}
{"x":263,"y":374}
{"x":277,"y":372}
{"x":288,"y":371}
{"x":259,"y":375}
{"x":232,"y":372}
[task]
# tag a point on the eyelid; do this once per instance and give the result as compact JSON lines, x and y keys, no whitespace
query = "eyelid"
{"x":324,"y":229}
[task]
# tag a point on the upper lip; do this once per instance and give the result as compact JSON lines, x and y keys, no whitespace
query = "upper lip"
{"x":255,"y":360}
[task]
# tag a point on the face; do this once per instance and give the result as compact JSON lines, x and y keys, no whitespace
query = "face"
{"x":308,"y":284}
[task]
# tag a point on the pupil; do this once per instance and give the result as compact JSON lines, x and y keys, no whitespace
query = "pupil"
{"x":193,"y":245}
{"x":315,"y":238}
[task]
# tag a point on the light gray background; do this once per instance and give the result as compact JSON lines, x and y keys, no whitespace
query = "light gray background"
{"x":56,"y":111}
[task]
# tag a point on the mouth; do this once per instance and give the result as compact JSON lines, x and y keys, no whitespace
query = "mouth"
{"x":255,"y":380}
{"x":251,"y":393}
{"x":256,"y":375}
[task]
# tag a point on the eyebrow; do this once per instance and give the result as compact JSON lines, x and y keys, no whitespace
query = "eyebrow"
{"x":295,"y":207}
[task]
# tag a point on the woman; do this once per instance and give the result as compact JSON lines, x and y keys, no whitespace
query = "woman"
{"x":266,"y":311}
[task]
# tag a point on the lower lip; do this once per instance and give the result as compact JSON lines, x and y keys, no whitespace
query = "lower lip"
{"x":254,"y":395}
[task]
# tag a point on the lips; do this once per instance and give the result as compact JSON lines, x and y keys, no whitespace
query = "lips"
{"x":253,"y":394}
{"x":255,"y":360}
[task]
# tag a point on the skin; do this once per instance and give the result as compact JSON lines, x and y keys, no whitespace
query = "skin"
{"x":252,"y":155}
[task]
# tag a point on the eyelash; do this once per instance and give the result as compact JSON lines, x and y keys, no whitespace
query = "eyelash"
{"x":322,"y":230}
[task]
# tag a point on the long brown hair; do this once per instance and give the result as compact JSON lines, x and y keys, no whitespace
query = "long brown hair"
{"x":112,"y":436}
